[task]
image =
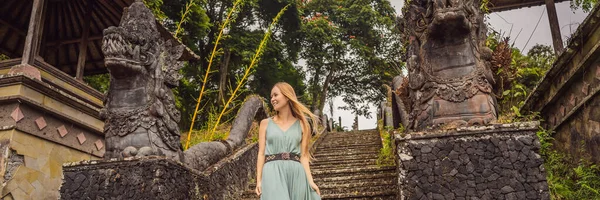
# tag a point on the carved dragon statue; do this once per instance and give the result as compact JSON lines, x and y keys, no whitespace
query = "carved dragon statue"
{"x":449,"y":76}
{"x":140,"y":114}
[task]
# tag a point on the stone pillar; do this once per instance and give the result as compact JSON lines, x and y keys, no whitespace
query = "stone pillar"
{"x":32,"y":42}
{"x":487,"y":162}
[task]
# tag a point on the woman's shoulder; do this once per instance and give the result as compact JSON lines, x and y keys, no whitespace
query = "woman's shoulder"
{"x":265,"y":121}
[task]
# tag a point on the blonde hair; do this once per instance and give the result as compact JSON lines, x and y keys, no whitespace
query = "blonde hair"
{"x":299,"y":111}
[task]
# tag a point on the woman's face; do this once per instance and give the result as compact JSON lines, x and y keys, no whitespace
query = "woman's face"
{"x":278,"y":100}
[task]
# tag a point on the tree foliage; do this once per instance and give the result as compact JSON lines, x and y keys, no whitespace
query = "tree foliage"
{"x":586,"y":5}
{"x":242,"y":36}
{"x":349,"y":47}
{"x":516,"y":74}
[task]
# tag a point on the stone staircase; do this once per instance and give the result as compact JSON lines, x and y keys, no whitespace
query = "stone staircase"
{"x":345,"y":168}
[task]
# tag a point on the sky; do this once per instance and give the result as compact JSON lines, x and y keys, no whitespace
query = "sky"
{"x":519,"y":24}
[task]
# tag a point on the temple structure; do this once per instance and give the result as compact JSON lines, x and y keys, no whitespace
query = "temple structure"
{"x":49,"y":115}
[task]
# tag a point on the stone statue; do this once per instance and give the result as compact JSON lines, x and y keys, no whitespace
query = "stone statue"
{"x":140,"y":114}
{"x":449,"y":76}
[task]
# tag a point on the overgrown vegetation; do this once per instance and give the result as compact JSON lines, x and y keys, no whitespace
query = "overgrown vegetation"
{"x":386,"y":155}
{"x":516,"y":75}
{"x":3,"y":57}
{"x":100,"y":82}
{"x":568,"y":179}
{"x":585,"y":5}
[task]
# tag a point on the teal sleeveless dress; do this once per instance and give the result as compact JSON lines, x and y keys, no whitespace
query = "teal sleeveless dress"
{"x":285,"y":179}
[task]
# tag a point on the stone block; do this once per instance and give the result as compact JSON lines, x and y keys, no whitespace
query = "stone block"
{"x":159,"y":178}
{"x":484,"y":163}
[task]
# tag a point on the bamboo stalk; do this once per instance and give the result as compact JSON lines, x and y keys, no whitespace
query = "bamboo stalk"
{"x":212,"y":55}
{"x":255,"y":59}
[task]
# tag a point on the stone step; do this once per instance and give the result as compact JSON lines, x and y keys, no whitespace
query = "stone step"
{"x":375,"y":195}
{"x":356,"y":183}
{"x":343,"y":167}
{"x":328,"y":147}
{"x":342,"y":162}
{"x":358,"y":192}
{"x":347,"y":152}
{"x":340,"y":166}
{"x":352,"y":147}
{"x":351,"y":137}
{"x":322,"y":173}
{"x":355,"y":177}
{"x":346,"y":157}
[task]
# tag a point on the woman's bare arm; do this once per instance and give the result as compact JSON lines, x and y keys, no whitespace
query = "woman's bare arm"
{"x":260,"y":161}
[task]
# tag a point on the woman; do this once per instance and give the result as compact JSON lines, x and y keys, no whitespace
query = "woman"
{"x":282,"y":167}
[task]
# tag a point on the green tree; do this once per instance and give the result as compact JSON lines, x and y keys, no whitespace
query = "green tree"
{"x":586,"y":5}
{"x":349,"y":47}
{"x":236,"y":48}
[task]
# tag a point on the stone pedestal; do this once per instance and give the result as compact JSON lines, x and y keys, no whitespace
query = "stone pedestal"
{"x":159,"y":178}
{"x":147,"y":178}
{"x":487,"y":162}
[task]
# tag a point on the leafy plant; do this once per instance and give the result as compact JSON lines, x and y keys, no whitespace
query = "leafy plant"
{"x":568,"y":180}
{"x":100,"y":82}
{"x":586,"y":5}
{"x":386,"y":155}
{"x":516,"y":74}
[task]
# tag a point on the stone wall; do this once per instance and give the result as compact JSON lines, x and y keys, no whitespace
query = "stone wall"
{"x":158,"y":178}
{"x":34,"y":165}
{"x":228,"y":178}
{"x":147,"y":178}
{"x":491,"y":162}
{"x":43,"y":126}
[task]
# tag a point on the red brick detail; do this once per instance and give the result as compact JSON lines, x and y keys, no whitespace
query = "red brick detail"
{"x":41,"y":123}
{"x":572,"y":100}
{"x":81,"y":138}
{"x":17,"y":115}
{"x":594,"y":126}
{"x":99,"y":144}
{"x":585,"y":88}
{"x":62,"y":131}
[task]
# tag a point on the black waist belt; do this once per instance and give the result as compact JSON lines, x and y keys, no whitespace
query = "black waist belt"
{"x":282,"y":156}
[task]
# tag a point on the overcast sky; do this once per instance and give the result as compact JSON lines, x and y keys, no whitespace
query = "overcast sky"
{"x":519,"y":24}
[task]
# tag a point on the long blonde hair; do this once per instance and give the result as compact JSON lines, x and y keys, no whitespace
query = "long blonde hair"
{"x":299,"y":111}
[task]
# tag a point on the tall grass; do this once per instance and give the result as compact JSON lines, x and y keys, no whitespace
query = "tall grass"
{"x":210,"y":61}
{"x":214,"y":129}
{"x":242,"y":81}
{"x":568,"y":179}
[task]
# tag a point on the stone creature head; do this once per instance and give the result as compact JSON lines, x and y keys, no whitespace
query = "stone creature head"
{"x":132,"y":45}
{"x":442,"y":19}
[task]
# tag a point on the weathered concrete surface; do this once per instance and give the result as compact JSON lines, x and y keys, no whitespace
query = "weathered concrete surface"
{"x":567,"y":97}
{"x":42,"y":126}
{"x":488,"y":162}
{"x":145,"y":178}
{"x":159,"y":178}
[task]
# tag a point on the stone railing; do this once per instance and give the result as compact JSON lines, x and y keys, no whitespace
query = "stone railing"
{"x":567,"y":97}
